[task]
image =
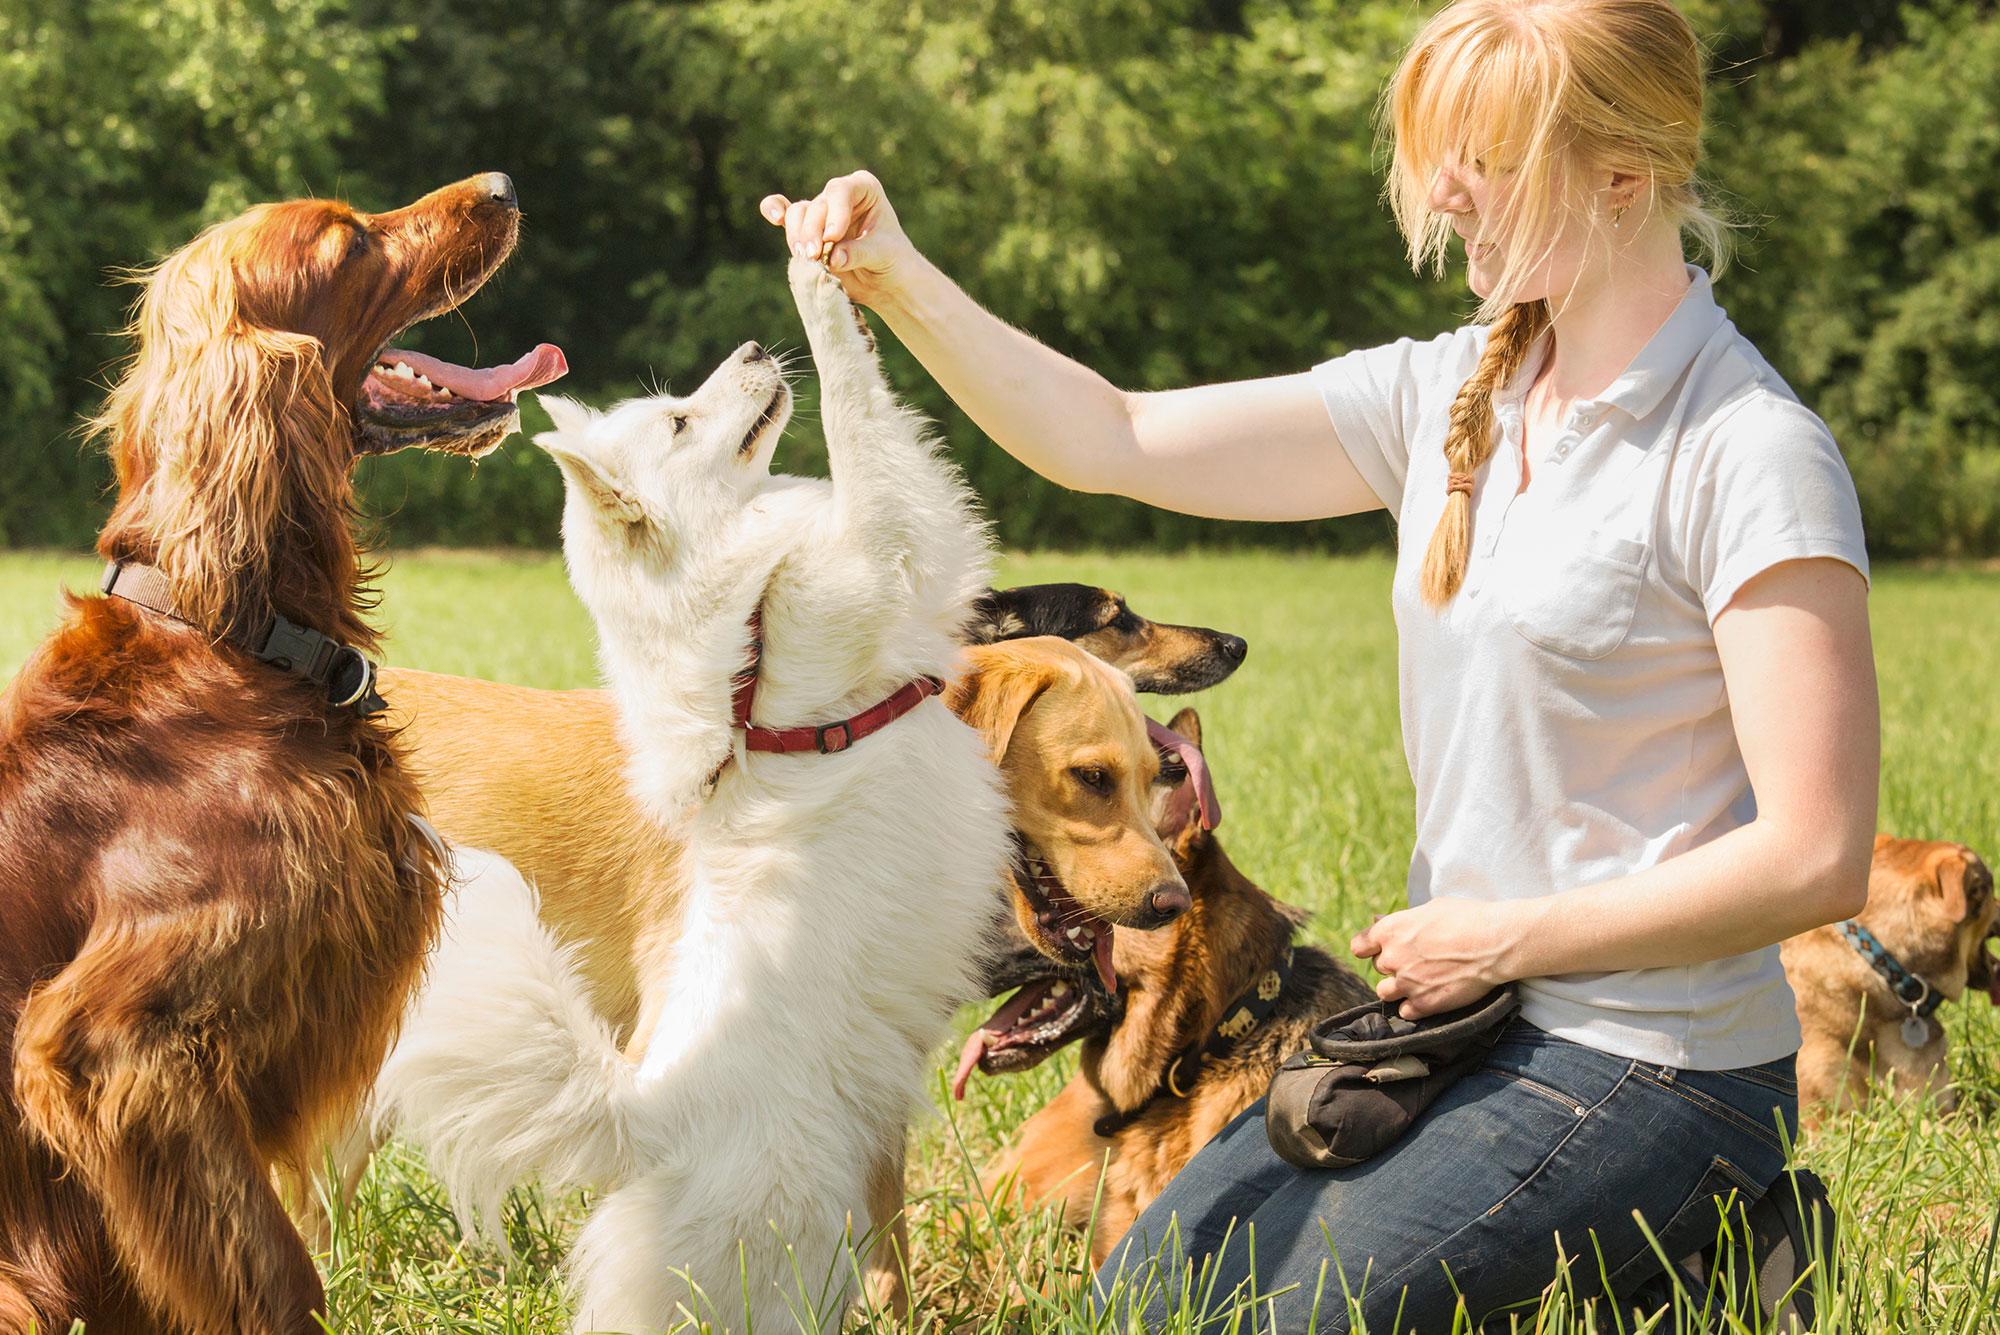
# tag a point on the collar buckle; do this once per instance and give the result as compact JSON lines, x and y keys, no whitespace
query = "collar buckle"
{"x":348,"y":658}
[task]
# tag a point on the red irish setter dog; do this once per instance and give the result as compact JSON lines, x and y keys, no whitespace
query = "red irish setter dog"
{"x":215,"y":899}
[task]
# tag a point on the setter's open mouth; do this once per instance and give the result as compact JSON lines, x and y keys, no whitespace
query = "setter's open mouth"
{"x":409,"y":398}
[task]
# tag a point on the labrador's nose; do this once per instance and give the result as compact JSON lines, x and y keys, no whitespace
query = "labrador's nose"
{"x":1167,"y":901}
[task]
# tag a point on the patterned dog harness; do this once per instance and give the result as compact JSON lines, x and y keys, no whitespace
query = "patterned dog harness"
{"x":1240,"y":1018}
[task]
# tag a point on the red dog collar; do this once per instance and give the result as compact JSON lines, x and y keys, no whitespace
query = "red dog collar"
{"x":825,"y":738}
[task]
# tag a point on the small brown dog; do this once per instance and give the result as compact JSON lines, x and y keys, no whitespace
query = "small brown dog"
{"x":1929,"y":914}
{"x":214,"y":895}
{"x":1207,"y":1008}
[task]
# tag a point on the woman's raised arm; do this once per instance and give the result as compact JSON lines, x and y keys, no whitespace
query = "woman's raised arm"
{"x":1251,"y":449}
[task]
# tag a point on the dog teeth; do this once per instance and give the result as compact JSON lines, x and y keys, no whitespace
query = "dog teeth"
{"x":443,"y":393}
{"x":1060,"y":990}
{"x":425,"y":381}
{"x":1081,"y":937}
{"x":403,"y":372}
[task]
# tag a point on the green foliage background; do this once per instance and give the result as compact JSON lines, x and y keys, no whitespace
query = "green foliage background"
{"x":1172,"y":190}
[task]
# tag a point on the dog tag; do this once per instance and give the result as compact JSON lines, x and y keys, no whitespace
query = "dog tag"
{"x":1916,"y":1031}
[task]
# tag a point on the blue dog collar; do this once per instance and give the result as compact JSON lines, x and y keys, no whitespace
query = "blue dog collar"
{"x":1912,"y":991}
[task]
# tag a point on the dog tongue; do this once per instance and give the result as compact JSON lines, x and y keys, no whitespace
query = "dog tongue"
{"x":968,"y":1061}
{"x":984,"y":1037}
{"x":544,"y":364}
{"x":1197,"y":768}
{"x":1100,"y":955}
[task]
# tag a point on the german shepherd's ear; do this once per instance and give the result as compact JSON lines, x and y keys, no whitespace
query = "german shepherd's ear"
{"x":1176,"y":810}
{"x":997,"y":687}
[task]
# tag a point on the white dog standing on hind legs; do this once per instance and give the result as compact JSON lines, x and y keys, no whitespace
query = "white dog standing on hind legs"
{"x":837,"y":900}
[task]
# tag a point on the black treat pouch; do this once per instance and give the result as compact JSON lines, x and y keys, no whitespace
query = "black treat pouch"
{"x":1369,"y":1073}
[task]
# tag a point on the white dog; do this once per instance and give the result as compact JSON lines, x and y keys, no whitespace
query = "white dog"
{"x":837,"y":901}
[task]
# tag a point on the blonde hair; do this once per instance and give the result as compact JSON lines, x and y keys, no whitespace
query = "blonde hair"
{"x":1546,"y":93}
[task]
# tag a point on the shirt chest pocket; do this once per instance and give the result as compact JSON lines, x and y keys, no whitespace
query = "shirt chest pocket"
{"x":1575,"y":594}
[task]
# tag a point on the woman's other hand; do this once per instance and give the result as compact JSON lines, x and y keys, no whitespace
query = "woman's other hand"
{"x":852,"y":225}
{"x":1442,"y":954}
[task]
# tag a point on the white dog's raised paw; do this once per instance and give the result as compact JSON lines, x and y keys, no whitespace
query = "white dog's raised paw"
{"x":813,"y":281}
{"x":822,"y":303}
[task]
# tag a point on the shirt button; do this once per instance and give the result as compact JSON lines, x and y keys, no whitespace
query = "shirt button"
{"x":1563,"y":447}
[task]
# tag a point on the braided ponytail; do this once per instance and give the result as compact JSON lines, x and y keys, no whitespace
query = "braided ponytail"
{"x":1468,"y":443}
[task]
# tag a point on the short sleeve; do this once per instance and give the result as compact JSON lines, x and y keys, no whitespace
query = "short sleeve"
{"x":1376,"y":396}
{"x":1769,"y":487}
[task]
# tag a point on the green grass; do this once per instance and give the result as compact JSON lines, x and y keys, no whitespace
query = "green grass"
{"x":1307,"y":754}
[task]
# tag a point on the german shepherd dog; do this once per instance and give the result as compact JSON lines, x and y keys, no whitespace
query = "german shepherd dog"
{"x":1206,"y":1009}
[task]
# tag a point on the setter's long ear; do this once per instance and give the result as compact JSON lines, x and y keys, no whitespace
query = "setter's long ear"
{"x":999,"y":684}
{"x":230,"y":447}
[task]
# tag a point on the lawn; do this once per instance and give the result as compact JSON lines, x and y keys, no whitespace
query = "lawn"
{"x":1306,"y":752}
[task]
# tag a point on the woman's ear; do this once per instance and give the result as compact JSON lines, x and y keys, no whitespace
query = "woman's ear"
{"x":997,"y":687}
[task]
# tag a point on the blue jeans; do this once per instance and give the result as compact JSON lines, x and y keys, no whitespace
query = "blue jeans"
{"x":1548,"y":1145}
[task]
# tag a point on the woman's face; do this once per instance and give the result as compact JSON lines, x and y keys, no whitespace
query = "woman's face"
{"x":1475,"y":197}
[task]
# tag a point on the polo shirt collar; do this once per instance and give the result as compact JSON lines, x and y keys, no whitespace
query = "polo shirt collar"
{"x":1669,"y":352}
{"x":1660,"y":364}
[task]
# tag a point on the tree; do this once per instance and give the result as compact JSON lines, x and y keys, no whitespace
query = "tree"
{"x":124,"y":128}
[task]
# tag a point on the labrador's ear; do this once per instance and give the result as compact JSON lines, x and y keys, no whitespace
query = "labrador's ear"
{"x":999,"y":685}
{"x":1188,"y":724}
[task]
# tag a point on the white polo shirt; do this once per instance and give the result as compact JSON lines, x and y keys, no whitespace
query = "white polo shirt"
{"x":1565,"y":717}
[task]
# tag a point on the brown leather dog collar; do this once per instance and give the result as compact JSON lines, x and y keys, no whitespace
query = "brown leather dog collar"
{"x":344,"y":673}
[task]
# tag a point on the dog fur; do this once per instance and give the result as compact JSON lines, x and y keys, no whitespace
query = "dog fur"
{"x":834,"y":905}
{"x":215,"y":899}
{"x":540,"y":776}
{"x":1931,"y":905}
{"x":1174,"y":986}
{"x":1163,"y":659}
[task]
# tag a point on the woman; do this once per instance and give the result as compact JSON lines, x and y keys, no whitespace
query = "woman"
{"x":1632,"y":591}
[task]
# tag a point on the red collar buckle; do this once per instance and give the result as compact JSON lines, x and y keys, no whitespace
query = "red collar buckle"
{"x":831,"y":737}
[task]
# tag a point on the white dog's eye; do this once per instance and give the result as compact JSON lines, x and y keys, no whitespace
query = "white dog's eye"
{"x":680,"y":423}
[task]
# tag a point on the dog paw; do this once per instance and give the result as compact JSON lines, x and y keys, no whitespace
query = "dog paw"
{"x":822,"y":303}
